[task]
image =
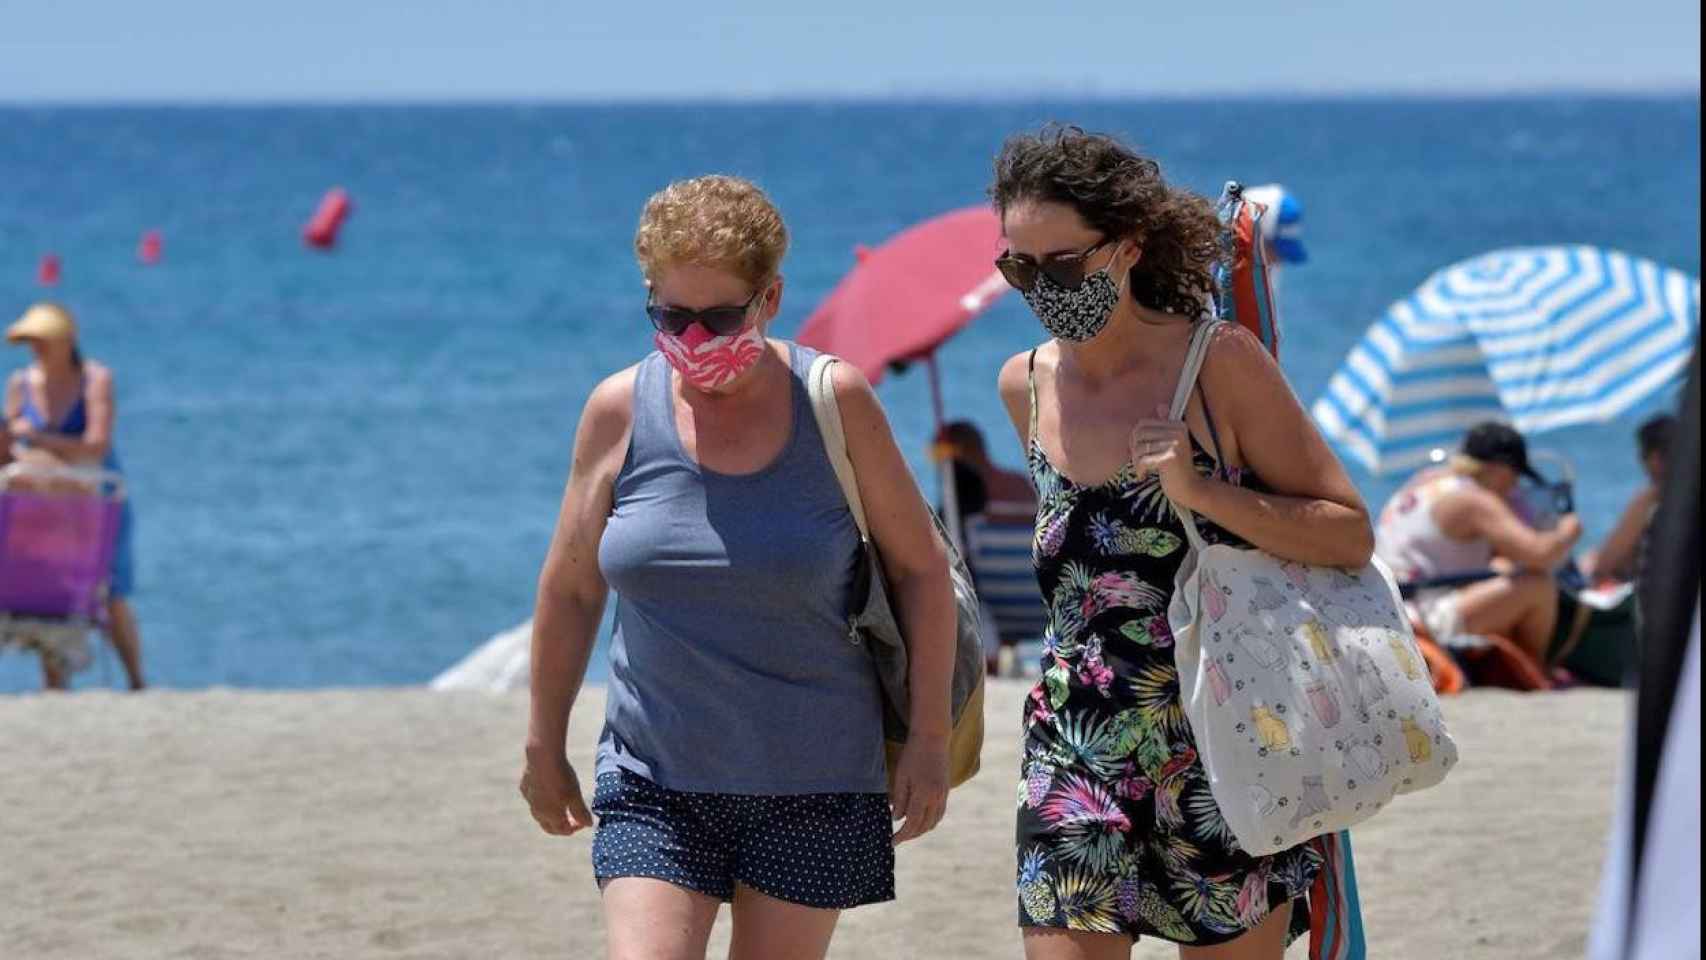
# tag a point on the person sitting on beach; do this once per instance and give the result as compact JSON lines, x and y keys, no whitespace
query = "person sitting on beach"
{"x":742,"y":757}
{"x":980,"y":486}
{"x":1617,"y":558}
{"x":60,"y":411}
{"x":1457,"y":521}
{"x":997,"y":506}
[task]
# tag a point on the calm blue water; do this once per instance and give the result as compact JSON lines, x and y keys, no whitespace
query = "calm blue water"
{"x":346,"y":466}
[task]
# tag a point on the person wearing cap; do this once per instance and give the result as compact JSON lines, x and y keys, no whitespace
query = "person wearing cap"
{"x":1457,"y":521}
{"x":59,"y":410}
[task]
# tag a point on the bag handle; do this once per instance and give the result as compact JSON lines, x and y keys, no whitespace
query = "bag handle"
{"x":1194,"y":356}
{"x":821,"y":387}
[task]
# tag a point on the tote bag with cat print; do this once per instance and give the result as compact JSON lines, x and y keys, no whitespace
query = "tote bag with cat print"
{"x":1303,"y":685}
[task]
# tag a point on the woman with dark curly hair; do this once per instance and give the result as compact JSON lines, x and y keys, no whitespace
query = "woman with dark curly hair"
{"x":1119,"y":836}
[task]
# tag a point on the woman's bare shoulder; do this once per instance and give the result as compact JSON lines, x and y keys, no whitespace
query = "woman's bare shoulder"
{"x":609,"y":412}
{"x":1014,"y":380}
{"x":1237,"y":365}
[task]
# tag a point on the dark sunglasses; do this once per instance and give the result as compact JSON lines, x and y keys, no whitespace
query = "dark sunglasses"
{"x":1066,"y":269}
{"x":720,"y":321}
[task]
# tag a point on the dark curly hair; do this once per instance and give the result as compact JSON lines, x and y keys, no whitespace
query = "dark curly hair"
{"x":1121,"y":194}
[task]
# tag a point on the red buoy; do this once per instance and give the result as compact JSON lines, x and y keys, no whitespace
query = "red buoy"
{"x":148,"y":250}
{"x":47,"y":273}
{"x":322,"y":228}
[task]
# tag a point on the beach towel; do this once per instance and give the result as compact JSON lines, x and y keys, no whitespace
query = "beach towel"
{"x":1335,"y":913}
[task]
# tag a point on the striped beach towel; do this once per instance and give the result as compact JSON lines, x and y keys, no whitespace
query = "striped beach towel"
{"x":1335,"y":913}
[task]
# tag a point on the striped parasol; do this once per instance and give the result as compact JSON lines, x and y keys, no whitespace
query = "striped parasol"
{"x":1539,"y":337}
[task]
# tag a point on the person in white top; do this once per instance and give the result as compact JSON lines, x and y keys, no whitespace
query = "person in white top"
{"x":1457,"y":521}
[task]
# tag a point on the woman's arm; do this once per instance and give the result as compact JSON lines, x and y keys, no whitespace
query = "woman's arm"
{"x":1314,"y":515}
{"x":14,"y":396}
{"x":98,"y":405}
{"x":570,"y":603}
{"x":916,"y":562}
{"x":1615,"y":558}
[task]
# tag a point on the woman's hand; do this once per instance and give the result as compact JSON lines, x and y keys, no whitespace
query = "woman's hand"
{"x":1162,"y":447}
{"x":21,"y":428}
{"x":919,"y":794}
{"x":553,"y":794}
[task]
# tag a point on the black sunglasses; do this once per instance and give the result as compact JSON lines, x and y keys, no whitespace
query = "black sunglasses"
{"x":720,"y":321}
{"x":1066,"y":269}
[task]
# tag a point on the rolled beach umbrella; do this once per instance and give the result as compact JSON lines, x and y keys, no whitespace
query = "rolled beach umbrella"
{"x":1282,"y":228}
{"x":1538,"y":337}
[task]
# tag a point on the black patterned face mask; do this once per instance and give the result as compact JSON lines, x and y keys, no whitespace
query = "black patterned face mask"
{"x":1075,"y":315}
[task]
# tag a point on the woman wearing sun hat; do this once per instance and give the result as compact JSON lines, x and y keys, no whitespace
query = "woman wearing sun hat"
{"x":60,"y":410}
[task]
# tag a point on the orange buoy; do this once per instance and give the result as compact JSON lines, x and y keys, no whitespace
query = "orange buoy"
{"x":47,"y":273}
{"x":148,"y":249}
{"x":322,"y":228}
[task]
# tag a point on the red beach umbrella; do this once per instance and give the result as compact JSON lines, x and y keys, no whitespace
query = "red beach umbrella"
{"x":905,"y":298}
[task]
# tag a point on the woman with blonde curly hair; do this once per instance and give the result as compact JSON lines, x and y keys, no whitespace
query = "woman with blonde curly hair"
{"x":1119,"y":836}
{"x":742,"y":754}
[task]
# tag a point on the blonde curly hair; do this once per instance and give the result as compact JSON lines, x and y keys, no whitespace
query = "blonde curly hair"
{"x":715,"y":221}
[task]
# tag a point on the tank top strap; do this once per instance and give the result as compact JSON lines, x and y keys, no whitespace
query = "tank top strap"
{"x":800,"y":365}
{"x":653,"y":434}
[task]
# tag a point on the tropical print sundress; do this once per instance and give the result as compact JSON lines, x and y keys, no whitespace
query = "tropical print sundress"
{"x":1117,"y":829}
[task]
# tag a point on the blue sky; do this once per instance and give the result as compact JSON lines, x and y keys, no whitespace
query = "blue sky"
{"x":611,"y":49}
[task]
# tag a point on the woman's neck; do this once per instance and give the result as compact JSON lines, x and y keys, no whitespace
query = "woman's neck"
{"x":1131,"y":334}
{"x":58,"y":370}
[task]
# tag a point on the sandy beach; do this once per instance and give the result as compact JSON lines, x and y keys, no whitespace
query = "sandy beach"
{"x":385,"y":823}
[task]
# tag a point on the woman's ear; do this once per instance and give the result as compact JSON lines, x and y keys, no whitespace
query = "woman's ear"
{"x":1133,"y":251}
{"x":772,"y":301}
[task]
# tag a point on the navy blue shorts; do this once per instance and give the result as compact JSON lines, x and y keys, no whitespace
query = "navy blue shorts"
{"x":827,"y":850}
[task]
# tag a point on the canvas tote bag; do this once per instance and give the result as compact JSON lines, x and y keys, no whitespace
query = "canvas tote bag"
{"x":873,"y":623}
{"x":1304,"y":687}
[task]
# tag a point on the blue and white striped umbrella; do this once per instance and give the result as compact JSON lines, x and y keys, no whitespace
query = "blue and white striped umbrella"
{"x":1539,"y":337}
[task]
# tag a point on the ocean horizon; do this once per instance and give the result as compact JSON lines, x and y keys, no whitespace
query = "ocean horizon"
{"x":346,"y":465}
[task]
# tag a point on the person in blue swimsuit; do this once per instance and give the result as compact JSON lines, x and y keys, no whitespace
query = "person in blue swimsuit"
{"x":60,"y":410}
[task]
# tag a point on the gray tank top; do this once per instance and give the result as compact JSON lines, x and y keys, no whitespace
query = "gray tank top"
{"x":730,"y":666}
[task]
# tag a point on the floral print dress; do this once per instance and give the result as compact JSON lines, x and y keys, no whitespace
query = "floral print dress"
{"x":1117,"y":829}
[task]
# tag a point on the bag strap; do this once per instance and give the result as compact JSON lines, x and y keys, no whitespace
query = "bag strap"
{"x":1194,"y":356}
{"x":820,"y":384}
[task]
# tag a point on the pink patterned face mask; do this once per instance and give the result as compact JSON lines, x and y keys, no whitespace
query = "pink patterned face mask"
{"x":708,"y":361}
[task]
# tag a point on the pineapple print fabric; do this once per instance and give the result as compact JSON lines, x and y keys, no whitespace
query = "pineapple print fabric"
{"x":1117,"y":829}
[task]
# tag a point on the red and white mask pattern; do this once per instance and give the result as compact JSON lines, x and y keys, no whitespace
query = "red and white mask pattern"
{"x":708,"y":361}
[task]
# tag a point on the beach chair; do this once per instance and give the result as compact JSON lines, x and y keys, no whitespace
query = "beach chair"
{"x":998,"y":551}
{"x":58,"y":529}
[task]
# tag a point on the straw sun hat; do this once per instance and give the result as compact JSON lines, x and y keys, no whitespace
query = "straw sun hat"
{"x":43,"y":321}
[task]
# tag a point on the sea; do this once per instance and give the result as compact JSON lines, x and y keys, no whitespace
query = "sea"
{"x":346,"y":465}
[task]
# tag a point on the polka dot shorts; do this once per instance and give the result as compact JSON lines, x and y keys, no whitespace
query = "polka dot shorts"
{"x":826,"y":850}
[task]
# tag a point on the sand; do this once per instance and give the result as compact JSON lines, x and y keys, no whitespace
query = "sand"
{"x":386,"y":823}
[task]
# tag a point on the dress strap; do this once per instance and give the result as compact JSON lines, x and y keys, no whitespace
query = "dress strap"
{"x":1031,"y":382}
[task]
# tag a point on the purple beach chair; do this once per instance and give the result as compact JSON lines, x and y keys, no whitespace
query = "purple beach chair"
{"x":58,"y":528}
